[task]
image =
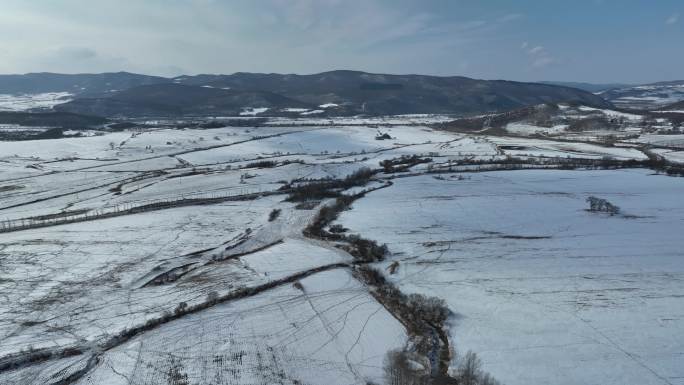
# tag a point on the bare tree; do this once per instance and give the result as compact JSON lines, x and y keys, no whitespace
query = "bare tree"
{"x":398,"y":370}
{"x":469,"y":371}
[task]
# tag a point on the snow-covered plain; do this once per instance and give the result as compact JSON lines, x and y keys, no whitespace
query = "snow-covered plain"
{"x":671,"y":155}
{"x":548,"y":148}
{"x":675,"y":140}
{"x":285,"y":336}
{"x":542,"y":290}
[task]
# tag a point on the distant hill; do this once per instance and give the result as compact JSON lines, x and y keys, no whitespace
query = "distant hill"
{"x":79,"y":84}
{"x":379,"y":94}
{"x":557,"y":120}
{"x":50,"y":119}
{"x":678,"y":106}
{"x":590,"y":87}
{"x":177,"y":100}
{"x":648,"y":96}
{"x":338,"y":92}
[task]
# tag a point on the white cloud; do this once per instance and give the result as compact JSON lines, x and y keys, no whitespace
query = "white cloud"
{"x":673,"y":19}
{"x":539,"y":56}
{"x":536,"y":50}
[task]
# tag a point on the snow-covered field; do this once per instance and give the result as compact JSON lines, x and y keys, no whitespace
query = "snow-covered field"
{"x":26,"y":102}
{"x":101,"y":235}
{"x":415,"y":119}
{"x":613,"y":113}
{"x":330,"y":332}
{"x":543,"y":290}
{"x":573,"y":123}
{"x":547,"y":148}
{"x":675,"y":156}
{"x":530,"y":129}
{"x":648,"y":96}
{"x":675,"y":141}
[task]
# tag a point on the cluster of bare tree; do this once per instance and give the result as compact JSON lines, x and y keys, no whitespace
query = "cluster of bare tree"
{"x":401,"y":369}
{"x":306,"y":190}
{"x":402,"y":163}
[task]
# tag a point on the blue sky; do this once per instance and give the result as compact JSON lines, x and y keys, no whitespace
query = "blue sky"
{"x":581,"y":40}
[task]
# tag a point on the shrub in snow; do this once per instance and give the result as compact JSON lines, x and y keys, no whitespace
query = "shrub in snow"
{"x":262,"y":164}
{"x":275,"y":213}
{"x":180,"y":309}
{"x":431,"y":309}
{"x":402,"y":163}
{"x":337,"y":229}
{"x":212,"y":297}
{"x":365,"y":250}
{"x":327,"y":188}
{"x":298,"y":285}
{"x":393,"y":267}
{"x":601,"y":205}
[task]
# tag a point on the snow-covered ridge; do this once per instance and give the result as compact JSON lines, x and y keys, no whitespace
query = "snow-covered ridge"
{"x":570,"y":122}
{"x":651,"y":96}
{"x":27,"y":102}
{"x":253,"y":111}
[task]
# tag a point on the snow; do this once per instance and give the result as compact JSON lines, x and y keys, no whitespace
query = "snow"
{"x":400,"y":120}
{"x":78,"y":284}
{"x":92,"y":267}
{"x":676,"y":156}
{"x":302,"y":111}
{"x":529,"y":129}
{"x":313,"y":112}
{"x":294,"y":109}
{"x":24,"y":102}
{"x":613,"y":113}
{"x":251,"y":111}
{"x":524,"y":147}
{"x":675,"y":140}
{"x":90,"y":147}
{"x":15,"y":128}
{"x":542,"y":290}
{"x":328,"y":105}
{"x":320,"y":335}
{"x":649,"y":97}
{"x":79,"y":133}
